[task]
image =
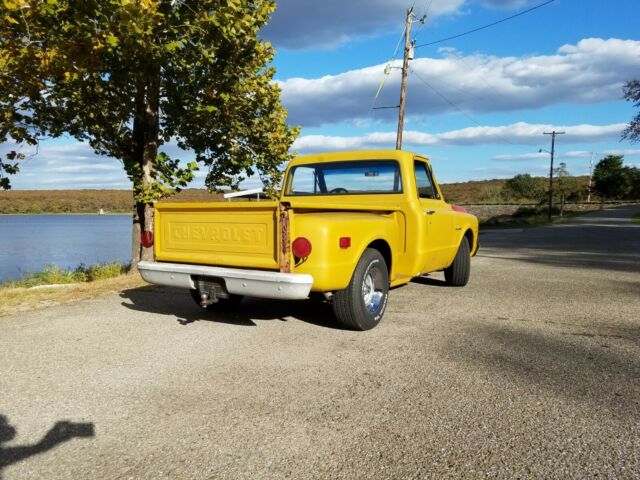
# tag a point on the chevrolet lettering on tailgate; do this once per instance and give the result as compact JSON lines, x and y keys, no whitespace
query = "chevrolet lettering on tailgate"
{"x":218,"y":233}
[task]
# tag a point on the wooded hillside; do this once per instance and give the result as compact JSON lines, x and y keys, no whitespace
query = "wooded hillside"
{"x":120,"y":201}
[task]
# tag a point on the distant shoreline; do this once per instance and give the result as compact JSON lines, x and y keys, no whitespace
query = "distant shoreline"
{"x":39,"y":214}
{"x":120,"y":202}
{"x":82,"y":202}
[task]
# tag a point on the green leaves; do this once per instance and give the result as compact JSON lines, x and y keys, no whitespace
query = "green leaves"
{"x":168,"y":178}
{"x":523,"y":186}
{"x":112,"y":40}
{"x":8,"y":169}
{"x":631,"y":91}
{"x":611,"y":179}
{"x":127,"y":75}
{"x":173,"y":46}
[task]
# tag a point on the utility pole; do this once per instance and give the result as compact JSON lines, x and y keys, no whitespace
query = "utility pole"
{"x":405,"y":73}
{"x":553,"y":146}
{"x":590,"y":177}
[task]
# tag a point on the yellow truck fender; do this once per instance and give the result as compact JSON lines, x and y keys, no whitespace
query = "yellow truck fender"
{"x":332,"y":266}
{"x":468,"y":231}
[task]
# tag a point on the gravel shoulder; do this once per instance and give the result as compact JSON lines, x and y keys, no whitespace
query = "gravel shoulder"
{"x":530,"y":371}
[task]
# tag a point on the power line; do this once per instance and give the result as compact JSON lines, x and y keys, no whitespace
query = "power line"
{"x":395,"y":51}
{"x":445,"y":98}
{"x":488,"y":25}
{"x":388,"y":67}
{"x":461,"y":111}
{"x":423,"y":23}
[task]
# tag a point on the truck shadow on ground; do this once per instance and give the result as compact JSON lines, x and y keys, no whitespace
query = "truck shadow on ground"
{"x":595,"y":367}
{"x":427,"y":280}
{"x":61,"y":432}
{"x":178,"y":303}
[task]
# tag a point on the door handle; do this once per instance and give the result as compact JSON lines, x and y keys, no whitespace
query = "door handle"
{"x":429,"y":212}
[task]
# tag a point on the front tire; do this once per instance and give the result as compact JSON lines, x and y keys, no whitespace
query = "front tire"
{"x":457,"y":274}
{"x":361,"y":305}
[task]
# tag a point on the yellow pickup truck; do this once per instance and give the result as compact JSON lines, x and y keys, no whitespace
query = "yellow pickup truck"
{"x":349,"y":225}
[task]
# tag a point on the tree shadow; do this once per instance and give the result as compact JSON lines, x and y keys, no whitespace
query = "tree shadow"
{"x":61,"y":432}
{"x":567,"y":259}
{"x":596,"y":366}
{"x":603,"y":241}
{"x":178,"y":304}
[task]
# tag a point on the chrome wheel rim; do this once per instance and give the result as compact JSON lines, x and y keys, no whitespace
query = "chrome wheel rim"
{"x":372,"y":286}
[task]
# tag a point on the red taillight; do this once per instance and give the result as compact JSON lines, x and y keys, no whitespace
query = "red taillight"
{"x":146,"y":239}
{"x":458,"y":208}
{"x":345,"y":242}
{"x":301,"y":247}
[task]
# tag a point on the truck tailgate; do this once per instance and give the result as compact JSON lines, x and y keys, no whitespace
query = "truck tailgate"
{"x":238,"y":234}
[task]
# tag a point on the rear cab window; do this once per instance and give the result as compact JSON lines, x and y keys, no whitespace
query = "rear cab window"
{"x":345,"y":178}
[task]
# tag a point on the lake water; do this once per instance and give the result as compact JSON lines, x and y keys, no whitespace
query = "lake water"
{"x":29,"y":242}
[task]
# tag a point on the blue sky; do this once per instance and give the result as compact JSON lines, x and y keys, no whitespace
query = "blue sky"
{"x":477,"y":105}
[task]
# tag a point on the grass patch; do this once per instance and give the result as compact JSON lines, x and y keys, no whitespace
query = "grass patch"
{"x":636,"y":218}
{"x":15,"y":300}
{"x":80,"y":283}
{"x":53,"y":275}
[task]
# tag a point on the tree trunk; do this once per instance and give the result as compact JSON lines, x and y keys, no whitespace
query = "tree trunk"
{"x":145,"y":137}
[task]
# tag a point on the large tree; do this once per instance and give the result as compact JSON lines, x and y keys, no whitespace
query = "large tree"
{"x":631,"y":92}
{"x":611,"y":178}
{"x":126,"y":76}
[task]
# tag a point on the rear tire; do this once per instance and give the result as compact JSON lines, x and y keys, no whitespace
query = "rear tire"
{"x":361,"y":305}
{"x":223,"y":304}
{"x":457,"y":274}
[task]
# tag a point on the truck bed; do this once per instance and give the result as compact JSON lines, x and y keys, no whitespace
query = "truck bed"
{"x":235,"y":234}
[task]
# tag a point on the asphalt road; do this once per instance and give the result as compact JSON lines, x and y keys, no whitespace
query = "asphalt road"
{"x":531,"y":371}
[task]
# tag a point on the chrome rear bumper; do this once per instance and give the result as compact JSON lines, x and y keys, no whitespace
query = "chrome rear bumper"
{"x":253,"y":283}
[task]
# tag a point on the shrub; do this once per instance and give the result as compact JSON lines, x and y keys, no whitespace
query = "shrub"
{"x":523,"y":186}
{"x":526,"y":211}
{"x":54,"y":275}
{"x":109,"y":270}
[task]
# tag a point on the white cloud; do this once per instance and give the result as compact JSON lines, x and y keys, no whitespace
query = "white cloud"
{"x":601,"y":153}
{"x":505,"y":4}
{"x":80,"y":179}
{"x":75,"y":165}
{"x":521,"y":157}
{"x":80,"y":169}
{"x":508,"y":172}
{"x":298,"y":24}
{"x":70,"y":165}
{"x":486,"y":173}
{"x":591,"y":71}
{"x":517,"y":133}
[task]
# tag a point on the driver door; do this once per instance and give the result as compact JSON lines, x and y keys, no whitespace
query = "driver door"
{"x":436,"y":219}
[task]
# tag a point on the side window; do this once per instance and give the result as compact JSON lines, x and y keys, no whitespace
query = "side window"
{"x":423,"y":181}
